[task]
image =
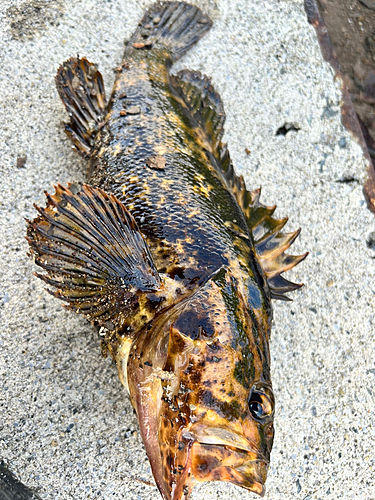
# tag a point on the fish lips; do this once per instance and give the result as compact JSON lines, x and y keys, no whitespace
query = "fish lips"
{"x":222,"y":454}
{"x":216,"y":462}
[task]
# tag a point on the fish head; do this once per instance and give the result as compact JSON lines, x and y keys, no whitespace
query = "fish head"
{"x":199,"y":379}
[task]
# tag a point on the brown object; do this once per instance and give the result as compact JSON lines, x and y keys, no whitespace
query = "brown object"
{"x":370,"y":4}
{"x":21,"y":161}
{"x":346,"y":37}
{"x":157,"y":162}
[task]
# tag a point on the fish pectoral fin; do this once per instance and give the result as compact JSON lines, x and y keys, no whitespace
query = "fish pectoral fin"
{"x":94,"y":254}
{"x":80,"y":86}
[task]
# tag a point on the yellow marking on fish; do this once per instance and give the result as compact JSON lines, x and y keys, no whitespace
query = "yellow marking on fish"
{"x":146,"y":188}
{"x":101,"y":151}
{"x":165,"y":183}
{"x":117,"y":149}
{"x":181,"y":199}
{"x":206,"y":190}
{"x":179,"y":246}
{"x":134,"y":179}
{"x":176,"y":120}
{"x":160,"y":149}
{"x":193,"y":213}
{"x":161,"y":202}
{"x":199,"y":178}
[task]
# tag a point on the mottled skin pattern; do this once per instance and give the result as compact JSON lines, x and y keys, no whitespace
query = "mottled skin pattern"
{"x":203,"y":360}
{"x":181,"y":209}
{"x":171,"y":256}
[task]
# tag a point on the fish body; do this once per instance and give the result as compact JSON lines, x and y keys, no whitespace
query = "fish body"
{"x":171,"y":256}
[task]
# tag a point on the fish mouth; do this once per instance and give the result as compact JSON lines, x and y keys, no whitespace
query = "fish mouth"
{"x":227,"y":437}
{"x":252,"y":476}
{"x":221,"y":454}
{"x":233,"y":465}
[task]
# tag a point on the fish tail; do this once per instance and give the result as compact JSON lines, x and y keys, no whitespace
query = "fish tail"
{"x":173,"y":26}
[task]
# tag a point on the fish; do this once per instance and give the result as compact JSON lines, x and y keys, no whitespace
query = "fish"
{"x":166,"y":251}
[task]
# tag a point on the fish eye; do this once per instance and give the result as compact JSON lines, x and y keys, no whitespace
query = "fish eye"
{"x":260,"y":405}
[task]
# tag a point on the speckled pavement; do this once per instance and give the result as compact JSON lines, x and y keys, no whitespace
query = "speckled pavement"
{"x":67,"y":428}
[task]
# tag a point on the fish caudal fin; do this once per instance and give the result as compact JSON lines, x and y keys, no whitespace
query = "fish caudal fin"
{"x":80,"y":86}
{"x":94,"y":254}
{"x":173,"y":26}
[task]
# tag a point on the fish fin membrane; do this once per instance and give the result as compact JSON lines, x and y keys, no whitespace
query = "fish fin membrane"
{"x":80,"y":86}
{"x":173,"y":26}
{"x":270,"y":243}
{"x":93,"y":252}
{"x":206,"y":109}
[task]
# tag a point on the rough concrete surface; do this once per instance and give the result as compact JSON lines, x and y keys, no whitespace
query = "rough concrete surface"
{"x":67,"y":428}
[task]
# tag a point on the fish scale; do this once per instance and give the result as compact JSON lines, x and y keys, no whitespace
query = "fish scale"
{"x":192,"y":207}
{"x":169,"y":254}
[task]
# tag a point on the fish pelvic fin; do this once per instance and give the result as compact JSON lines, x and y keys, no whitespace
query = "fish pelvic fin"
{"x":174,"y":26}
{"x":94,"y":255}
{"x":81,"y":89}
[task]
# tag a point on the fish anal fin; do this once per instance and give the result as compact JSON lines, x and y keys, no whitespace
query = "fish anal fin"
{"x":94,"y":255}
{"x":80,"y":86}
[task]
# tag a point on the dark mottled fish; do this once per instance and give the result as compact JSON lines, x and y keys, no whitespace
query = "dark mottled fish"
{"x":12,"y":489}
{"x":171,"y":256}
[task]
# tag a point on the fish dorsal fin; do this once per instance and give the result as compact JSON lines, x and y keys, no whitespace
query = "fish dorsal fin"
{"x":94,"y":254}
{"x":270,"y":243}
{"x":204,"y":104}
{"x":81,"y":89}
{"x":206,"y":108}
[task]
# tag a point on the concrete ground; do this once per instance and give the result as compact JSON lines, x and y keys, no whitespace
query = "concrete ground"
{"x":67,"y":428}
